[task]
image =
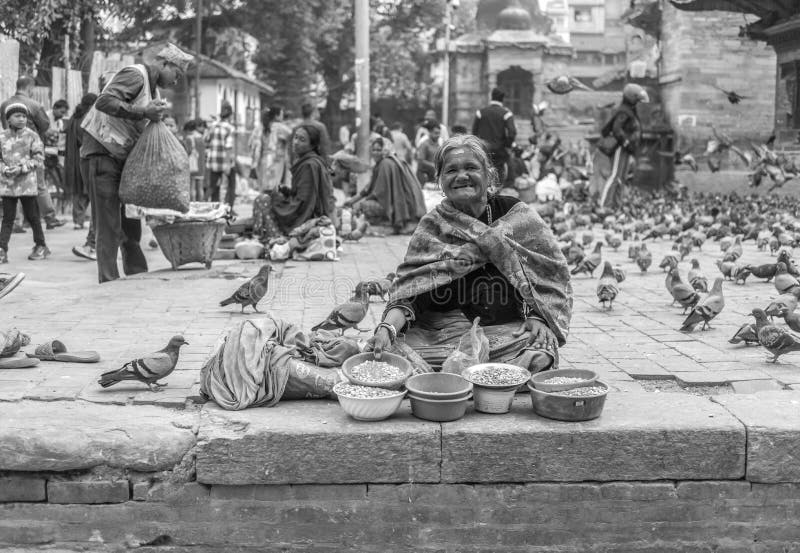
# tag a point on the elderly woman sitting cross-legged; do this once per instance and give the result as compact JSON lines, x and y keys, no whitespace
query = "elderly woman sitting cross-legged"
{"x":478,"y":254}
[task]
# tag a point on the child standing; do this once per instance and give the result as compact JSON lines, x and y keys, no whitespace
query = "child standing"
{"x":21,"y":153}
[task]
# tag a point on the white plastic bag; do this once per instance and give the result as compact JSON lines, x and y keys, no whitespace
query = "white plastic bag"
{"x":473,"y":348}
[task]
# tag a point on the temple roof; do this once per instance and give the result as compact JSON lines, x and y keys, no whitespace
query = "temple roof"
{"x":771,"y":12}
{"x":514,"y":18}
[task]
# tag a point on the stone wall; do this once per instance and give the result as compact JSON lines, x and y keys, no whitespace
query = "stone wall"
{"x":656,"y":472}
{"x":703,"y":49}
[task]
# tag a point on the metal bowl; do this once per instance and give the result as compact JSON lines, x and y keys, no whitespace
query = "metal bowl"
{"x":390,"y":358}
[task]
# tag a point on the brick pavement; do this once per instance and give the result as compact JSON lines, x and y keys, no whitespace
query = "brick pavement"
{"x":636,"y":341}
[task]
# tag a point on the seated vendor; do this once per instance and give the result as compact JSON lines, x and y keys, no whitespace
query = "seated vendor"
{"x":393,"y":197}
{"x":311,"y":194}
{"x":479,"y":254}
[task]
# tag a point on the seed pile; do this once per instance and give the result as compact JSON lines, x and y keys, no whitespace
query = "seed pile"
{"x":586,"y":391}
{"x":376,"y":371}
{"x":564,"y":380}
{"x":362,"y":392}
{"x":499,"y":376}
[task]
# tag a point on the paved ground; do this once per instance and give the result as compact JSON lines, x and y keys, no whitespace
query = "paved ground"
{"x":636,"y":346}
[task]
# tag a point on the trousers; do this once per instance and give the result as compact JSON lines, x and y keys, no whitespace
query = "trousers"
{"x":214,"y":186}
{"x":113,"y":230}
{"x":30,"y":208}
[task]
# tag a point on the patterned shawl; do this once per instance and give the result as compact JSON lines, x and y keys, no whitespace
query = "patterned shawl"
{"x":448,"y":244}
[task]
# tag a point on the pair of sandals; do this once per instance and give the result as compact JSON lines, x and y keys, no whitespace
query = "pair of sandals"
{"x":54,"y":350}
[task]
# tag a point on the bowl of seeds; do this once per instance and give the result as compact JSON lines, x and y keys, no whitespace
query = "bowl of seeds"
{"x":563,"y":379}
{"x":389,"y":372}
{"x":576,"y":404}
{"x":495,"y":385}
{"x":367,"y":403}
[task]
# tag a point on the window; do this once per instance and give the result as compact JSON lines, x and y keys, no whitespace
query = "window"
{"x":583,"y":15}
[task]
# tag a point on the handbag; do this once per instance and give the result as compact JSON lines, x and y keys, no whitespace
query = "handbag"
{"x":608,"y":145}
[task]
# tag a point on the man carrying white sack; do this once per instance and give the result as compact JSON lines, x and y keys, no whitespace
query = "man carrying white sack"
{"x":112,"y":127}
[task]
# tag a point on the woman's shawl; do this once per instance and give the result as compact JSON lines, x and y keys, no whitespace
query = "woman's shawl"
{"x":312,"y":193}
{"x":448,"y":244}
{"x":396,"y":188}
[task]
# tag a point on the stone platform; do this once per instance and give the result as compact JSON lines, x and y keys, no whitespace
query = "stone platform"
{"x":680,"y":460}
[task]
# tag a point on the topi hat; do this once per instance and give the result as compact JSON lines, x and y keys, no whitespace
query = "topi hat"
{"x":16,"y":107}
{"x":174,"y":55}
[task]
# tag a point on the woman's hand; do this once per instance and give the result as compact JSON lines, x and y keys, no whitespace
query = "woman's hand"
{"x":539,"y":335}
{"x":379,"y":342}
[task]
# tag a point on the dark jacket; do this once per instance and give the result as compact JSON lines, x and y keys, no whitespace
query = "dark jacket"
{"x":494,"y":124}
{"x":311,"y":194}
{"x":37,"y":120}
{"x":625,"y":126}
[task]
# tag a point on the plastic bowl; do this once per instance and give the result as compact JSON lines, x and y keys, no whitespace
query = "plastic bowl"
{"x":539,"y":380}
{"x":390,"y":358}
{"x":438,"y":410}
{"x":566,"y":408}
{"x":370,"y":409}
{"x":494,"y":400}
{"x":469,"y":374}
{"x":438,"y":386}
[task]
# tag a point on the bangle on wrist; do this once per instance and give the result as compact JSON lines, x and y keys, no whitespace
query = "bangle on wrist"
{"x":390,"y":329}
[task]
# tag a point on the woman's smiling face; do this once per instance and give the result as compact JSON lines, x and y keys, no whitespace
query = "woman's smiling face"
{"x":464,"y":180}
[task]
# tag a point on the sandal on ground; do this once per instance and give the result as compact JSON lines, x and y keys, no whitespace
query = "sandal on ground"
{"x":55,"y":350}
{"x":19,"y":361}
{"x":8,"y":285}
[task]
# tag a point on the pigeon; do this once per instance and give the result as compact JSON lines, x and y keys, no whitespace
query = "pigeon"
{"x":644,"y":258}
{"x":708,"y":308}
{"x":589,"y":263}
{"x":252,"y":291}
{"x":766,"y":271}
{"x":785,"y":258}
{"x":564,"y":84}
{"x":607,"y":289}
{"x":348,"y":314}
{"x":726,"y":268}
{"x":775,"y":340}
{"x":739,"y":273}
{"x":735,"y":251}
{"x":619,"y":273}
{"x":148,"y":369}
{"x":668,"y":263}
{"x":681,"y":292}
{"x":747,"y":333}
{"x":696,"y":278}
{"x":725,"y":244}
{"x":574,"y":253}
{"x":684,"y":248}
{"x":613,"y":241}
{"x":791,"y":318}
{"x":784,"y":301}
{"x":380,"y":287}
{"x":784,"y":282}
{"x":733,"y":97}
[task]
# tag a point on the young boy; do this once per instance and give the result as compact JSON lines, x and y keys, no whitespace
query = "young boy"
{"x":21,"y":153}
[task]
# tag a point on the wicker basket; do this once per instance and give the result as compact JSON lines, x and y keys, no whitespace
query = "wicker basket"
{"x":189,"y":241}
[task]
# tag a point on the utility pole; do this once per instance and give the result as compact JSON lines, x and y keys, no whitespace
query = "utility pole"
{"x":362,"y":80}
{"x":448,"y":18}
{"x":198,"y":45}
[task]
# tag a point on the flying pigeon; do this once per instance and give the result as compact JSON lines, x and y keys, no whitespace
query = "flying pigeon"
{"x":607,"y":289}
{"x":148,"y":369}
{"x":708,"y":308}
{"x":733,"y":97}
{"x":564,"y":84}
{"x":348,"y":314}
{"x":251,"y":292}
{"x":775,"y":340}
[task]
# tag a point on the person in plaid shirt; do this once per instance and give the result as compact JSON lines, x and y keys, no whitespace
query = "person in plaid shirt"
{"x":221,"y":156}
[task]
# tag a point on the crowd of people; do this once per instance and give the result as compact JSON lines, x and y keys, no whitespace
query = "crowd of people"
{"x":294,"y":169}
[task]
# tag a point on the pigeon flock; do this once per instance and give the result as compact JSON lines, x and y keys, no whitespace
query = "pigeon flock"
{"x":694,"y":225}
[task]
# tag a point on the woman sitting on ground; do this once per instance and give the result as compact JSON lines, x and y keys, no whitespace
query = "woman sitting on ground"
{"x":310,"y":196}
{"x":478,"y":254}
{"x":393,"y":197}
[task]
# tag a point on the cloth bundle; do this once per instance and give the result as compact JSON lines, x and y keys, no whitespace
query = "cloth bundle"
{"x":260,"y":362}
{"x":156,"y":173}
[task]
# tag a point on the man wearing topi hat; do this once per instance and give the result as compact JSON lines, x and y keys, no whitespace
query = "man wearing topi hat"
{"x":124,"y":107}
